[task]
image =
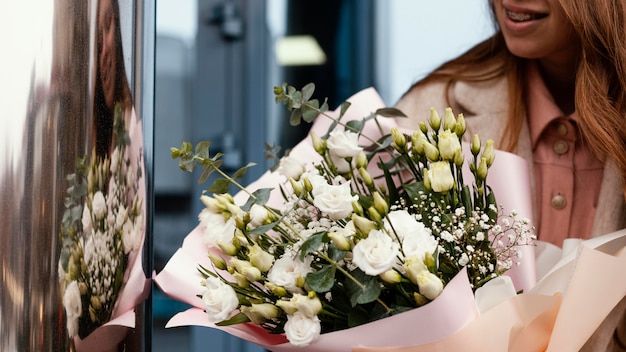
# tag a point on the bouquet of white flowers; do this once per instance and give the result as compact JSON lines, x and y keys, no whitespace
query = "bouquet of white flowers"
{"x":102,"y":232}
{"x":374,"y":227}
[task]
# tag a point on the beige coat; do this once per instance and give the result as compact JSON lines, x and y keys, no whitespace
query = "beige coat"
{"x":485,"y":108}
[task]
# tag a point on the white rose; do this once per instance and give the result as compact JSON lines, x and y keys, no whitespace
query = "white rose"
{"x":219,"y":299}
{"x":448,"y":145}
{"x":98,"y":205}
{"x":343,"y":144}
{"x":287,"y":271}
{"x":415,"y":237}
{"x":216,"y":227}
{"x":375,"y":254}
{"x":73,"y":307}
{"x":258,"y":215}
{"x":336,"y":201}
{"x":318,"y":183}
{"x":440,"y":175}
{"x":291,"y":167}
{"x":300,"y":330}
{"x":342,"y":165}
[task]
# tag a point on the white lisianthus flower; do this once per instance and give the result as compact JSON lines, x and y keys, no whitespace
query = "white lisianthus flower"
{"x":375,"y":254}
{"x":258,"y":215}
{"x":448,"y":145}
{"x":343,"y":144}
{"x":301,"y":330}
{"x":336,"y":201}
{"x":291,"y":167}
{"x":440,"y":176}
{"x":98,"y":205}
{"x":415,"y":237}
{"x":288,"y":272}
{"x":216,"y":227}
{"x":73,"y":307}
{"x":219,"y":299}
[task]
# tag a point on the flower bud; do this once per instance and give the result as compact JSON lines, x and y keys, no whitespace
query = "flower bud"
{"x":357,"y":208}
{"x":212,"y":204}
{"x":475,"y":146}
{"x":427,"y":184}
{"x":441,"y":178}
{"x":482,"y":169}
{"x":287,"y":306}
{"x":391,"y":277}
{"x":240,"y":239}
{"x":459,"y":158}
{"x":308,"y":186}
{"x":260,"y":258}
{"x":460,"y":126}
{"x":449,"y":122}
{"x":417,"y":142}
{"x":374,"y":214}
{"x":435,"y":120}
{"x":419,"y":299}
{"x":227,"y":248}
{"x":362,"y":224}
{"x":432,"y":153}
{"x":296,"y":186}
{"x":300,"y":281}
{"x":308,"y":305}
{"x":241,"y":279}
{"x":380,"y":204}
{"x":430,"y":285}
{"x":318,"y":144}
{"x":361,"y":160}
{"x":448,"y":145}
{"x":276,"y":290}
{"x":82,"y":288}
{"x":217,"y":261}
{"x":423,"y":127}
{"x":488,"y":152}
{"x":414,"y":267}
{"x":366,"y":177}
{"x":259,"y":313}
{"x":399,"y":140}
{"x":340,"y":241}
{"x":95,"y":302}
{"x":430,"y":262}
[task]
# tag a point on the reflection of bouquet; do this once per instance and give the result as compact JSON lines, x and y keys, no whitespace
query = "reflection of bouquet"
{"x":102,"y":225}
{"x":371,"y":230}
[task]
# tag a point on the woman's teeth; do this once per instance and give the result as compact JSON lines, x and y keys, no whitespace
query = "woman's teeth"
{"x":523,"y":17}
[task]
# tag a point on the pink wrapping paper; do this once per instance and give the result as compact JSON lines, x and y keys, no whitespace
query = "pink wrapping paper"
{"x":538,"y":319}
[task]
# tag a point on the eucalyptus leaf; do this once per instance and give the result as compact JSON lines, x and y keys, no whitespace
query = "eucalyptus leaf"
{"x":312,"y":244}
{"x":220,"y":186}
{"x":307,"y":91}
{"x":242,"y":171}
{"x":322,"y":280}
{"x":296,"y":117}
{"x":259,"y":197}
{"x":390,"y":112}
{"x":366,"y":291}
{"x":202,"y":149}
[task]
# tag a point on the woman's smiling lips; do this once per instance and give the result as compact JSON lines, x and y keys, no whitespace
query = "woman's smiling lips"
{"x":519,"y":19}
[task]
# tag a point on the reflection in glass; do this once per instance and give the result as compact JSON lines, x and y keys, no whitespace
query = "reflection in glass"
{"x":73,"y":192}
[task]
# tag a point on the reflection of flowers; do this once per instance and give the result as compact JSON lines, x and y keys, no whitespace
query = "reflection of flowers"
{"x":348,"y":247}
{"x":102,"y":225}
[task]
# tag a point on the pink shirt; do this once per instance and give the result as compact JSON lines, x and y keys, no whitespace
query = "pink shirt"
{"x":567,"y":173}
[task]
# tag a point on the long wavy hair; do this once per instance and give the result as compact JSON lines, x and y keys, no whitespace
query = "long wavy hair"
{"x":600,"y":96}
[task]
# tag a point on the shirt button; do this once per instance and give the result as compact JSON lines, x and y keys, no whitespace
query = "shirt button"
{"x":558,"y":202}
{"x":560,"y":147}
{"x":561,"y":129}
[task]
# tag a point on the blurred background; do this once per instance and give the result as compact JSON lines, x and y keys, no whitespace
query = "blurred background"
{"x":217,"y":62}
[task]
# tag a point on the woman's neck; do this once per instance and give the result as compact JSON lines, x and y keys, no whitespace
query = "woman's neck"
{"x":559,"y":77}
